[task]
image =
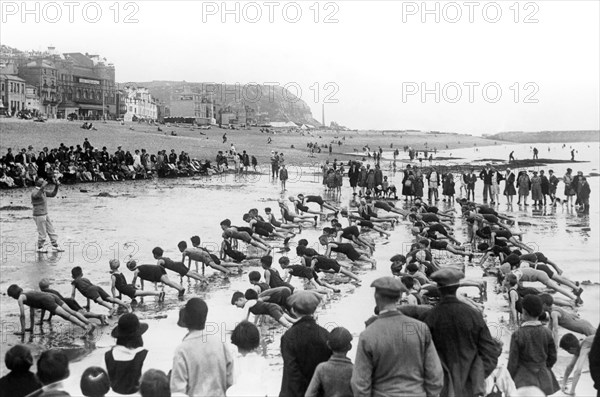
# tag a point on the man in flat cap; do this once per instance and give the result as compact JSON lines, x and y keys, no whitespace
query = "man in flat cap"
{"x":395,"y":353}
{"x":303,"y":346}
{"x":463,"y":341}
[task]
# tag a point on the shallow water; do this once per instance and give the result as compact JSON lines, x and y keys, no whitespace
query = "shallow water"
{"x":138,"y":216}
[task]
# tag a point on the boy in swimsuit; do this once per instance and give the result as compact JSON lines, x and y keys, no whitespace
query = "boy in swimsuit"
{"x":319,"y":200}
{"x":265,"y":229}
{"x":254,"y":305}
{"x":177,"y":267}
{"x":294,"y":218}
{"x":238,"y":257}
{"x":232,"y":232}
{"x":347,"y":249}
{"x":300,"y":207}
{"x":45,"y":301}
{"x":320,"y":263}
{"x":306,"y":273}
{"x":199,"y":255}
{"x":255,"y":279}
{"x":290,"y":225}
{"x":358,"y":221}
{"x":44,"y":285}
{"x":118,"y":283}
{"x":580,"y":352}
{"x":426,"y":243}
{"x":154,"y":274}
{"x":351,"y":233}
{"x":93,"y":292}
{"x":272,"y":277}
{"x":567,"y":319}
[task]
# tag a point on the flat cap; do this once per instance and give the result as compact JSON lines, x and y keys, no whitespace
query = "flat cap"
{"x":389,"y":286}
{"x":447,"y":277}
{"x":305,"y":301}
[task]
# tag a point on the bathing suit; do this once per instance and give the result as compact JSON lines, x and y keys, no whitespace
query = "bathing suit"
{"x":275,"y":280}
{"x":177,"y":267}
{"x":428,"y":217}
{"x":487,"y":211}
{"x":314,"y":199}
{"x":265,"y":226}
{"x":244,"y":229}
{"x":237,"y":256}
{"x":346,"y":249}
{"x":270,"y":309}
{"x":274,"y":221}
{"x":243,"y":236}
{"x":72,"y":303}
{"x":42,"y":300}
{"x":287,"y":216}
{"x":122,"y":286}
{"x":541,"y":257}
{"x":573,"y":322}
{"x":503,"y":233}
{"x":349,"y":232}
{"x":152,"y":273}
{"x":302,"y":208}
{"x":89,"y":290}
{"x":324,"y":263}
{"x":438,"y":245}
{"x":437,"y":227}
{"x":277,"y":296}
{"x":368,"y":224}
{"x":301,"y":271}
{"x":383,"y":205}
{"x":302,"y":250}
{"x":490,"y":218}
{"x":263,"y":286}
{"x":542,"y":267}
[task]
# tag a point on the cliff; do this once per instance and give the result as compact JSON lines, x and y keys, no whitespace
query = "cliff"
{"x":275,"y":102}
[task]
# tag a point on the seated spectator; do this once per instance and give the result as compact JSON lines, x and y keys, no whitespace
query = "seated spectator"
{"x":19,"y":382}
{"x":94,"y":382}
{"x":154,"y":383}
{"x":52,"y":369}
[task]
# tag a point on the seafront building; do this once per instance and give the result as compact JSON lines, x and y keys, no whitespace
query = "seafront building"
{"x":12,"y":92}
{"x":139,"y":104}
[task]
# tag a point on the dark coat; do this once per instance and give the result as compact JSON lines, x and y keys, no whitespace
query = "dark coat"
{"x":465,"y":346}
{"x":303,"y":347}
{"x":486,"y":176}
{"x":532,"y":356}
{"x":594,"y":357}
{"x":509,"y":186}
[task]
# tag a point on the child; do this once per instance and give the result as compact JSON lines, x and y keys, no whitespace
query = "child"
{"x":272,"y":277}
{"x":44,"y":285}
{"x":306,"y":273}
{"x":237,"y":256}
{"x":93,"y":292}
{"x":198,"y":255}
{"x":177,"y":267}
{"x":94,"y":382}
{"x":232,"y":232}
{"x":154,"y":274}
{"x":250,"y":370}
{"x":20,"y":381}
{"x":45,"y":301}
{"x":332,"y":377}
{"x":155,"y":383}
{"x":565,"y":318}
{"x":125,"y":360}
{"x":347,"y":249}
{"x":294,"y":218}
{"x":119,"y":283}
{"x":250,"y":301}
{"x":196,"y":244}
{"x":580,"y":352}
{"x":412,"y":297}
{"x":322,"y":263}
{"x":532,"y":350}
{"x":254,"y":278}
{"x":271,"y":218}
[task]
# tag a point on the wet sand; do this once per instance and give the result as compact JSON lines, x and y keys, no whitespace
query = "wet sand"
{"x":141,"y":215}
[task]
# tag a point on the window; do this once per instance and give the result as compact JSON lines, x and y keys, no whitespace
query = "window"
{"x":12,"y":89}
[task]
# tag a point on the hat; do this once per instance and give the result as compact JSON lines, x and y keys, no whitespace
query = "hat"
{"x":193,"y":315}
{"x":129,"y":325}
{"x":447,"y":277}
{"x":339,"y":339}
{"x":304,"y":301}
{"x":388,"y":286}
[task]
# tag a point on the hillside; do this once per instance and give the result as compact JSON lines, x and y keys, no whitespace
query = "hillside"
{"x":547,"y":136}
{"x":279,"y":103}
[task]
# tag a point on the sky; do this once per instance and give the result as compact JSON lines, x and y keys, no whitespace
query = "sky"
{"x":467,"y":67}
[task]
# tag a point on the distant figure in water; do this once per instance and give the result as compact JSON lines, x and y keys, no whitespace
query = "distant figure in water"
{"x":535,"y":153}
{"x":572,"y":154}
{"x":511,"y":156}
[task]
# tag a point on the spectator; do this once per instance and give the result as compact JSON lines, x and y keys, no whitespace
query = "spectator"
{"x":52,"y":369}
{"x":202,"y":364}
{"x":332,"y":378}
{"x":94,"y":382}
{"x":303,"y":346}
{"x":250,"y":370}
{"x":19,"y":382}
{"x":155,"y":383}
{"x":377,"y":370}
{"x":125,"y":360}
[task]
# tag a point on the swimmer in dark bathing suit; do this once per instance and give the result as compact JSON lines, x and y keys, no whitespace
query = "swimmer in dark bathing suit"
{"x":44,"y":285}
{"x":319,"y":200}
{"x":250,"y":301}
{"x":305,"y":273}
{"x":118,"y":283}
{"x":352,"y":233}
{"x":347,"y":249}
{"x":154,"y":274}
{"x":353,"y":219}
{"x":177,"y":267}
{"x":265,"y":229}
{"x":45,"y":301}
{"x":444,"y":246}
{"x":237,"y":256}
{"x":200,"y":255}
{"x":301,"y":207}
{"x":93,"y":292}
{"x":232,"y":232}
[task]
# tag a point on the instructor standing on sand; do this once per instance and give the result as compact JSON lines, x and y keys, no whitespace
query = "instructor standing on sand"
{"x":40,"y":214}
